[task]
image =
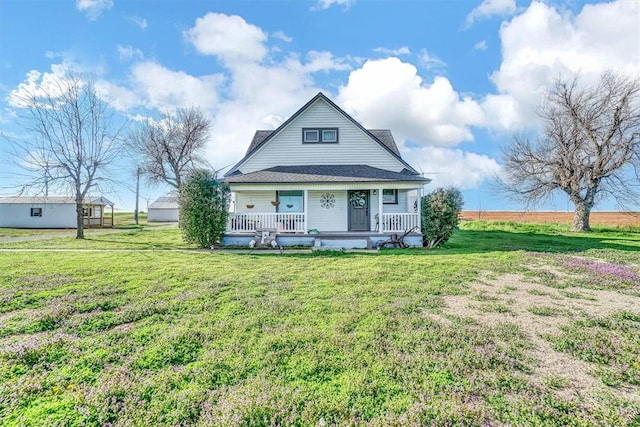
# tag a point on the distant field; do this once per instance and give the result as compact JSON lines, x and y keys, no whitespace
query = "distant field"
{"x":601,"y":218}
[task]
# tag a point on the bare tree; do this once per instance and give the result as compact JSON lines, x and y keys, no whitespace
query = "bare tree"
{"x":589,"y":149}
{"x":172,"y":147}
{"x":71,"y":137}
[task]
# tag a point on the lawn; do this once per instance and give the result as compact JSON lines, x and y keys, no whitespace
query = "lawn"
{"x":508,"y":324}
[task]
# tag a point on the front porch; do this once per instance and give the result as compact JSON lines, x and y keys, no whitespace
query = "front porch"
{"x":298,"y":222}
{"x":341,"y":214}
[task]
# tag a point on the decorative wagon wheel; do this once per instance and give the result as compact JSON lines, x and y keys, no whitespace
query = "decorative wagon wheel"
{"x":358,"y":199}
{"x":327,"y":200}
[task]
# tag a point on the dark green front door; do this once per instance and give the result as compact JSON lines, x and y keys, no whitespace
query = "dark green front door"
{"x":358,"y":210}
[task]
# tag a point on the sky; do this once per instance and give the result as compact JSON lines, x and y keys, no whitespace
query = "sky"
{"x":453,"y":80}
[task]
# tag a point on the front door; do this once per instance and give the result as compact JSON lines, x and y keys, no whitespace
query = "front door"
{"x":359,"y":210}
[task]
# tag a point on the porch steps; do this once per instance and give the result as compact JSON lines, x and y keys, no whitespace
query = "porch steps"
{"x":338,"y":242}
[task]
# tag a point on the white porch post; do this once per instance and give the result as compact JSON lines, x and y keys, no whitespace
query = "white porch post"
{"x":305,"y":205}
{"x":419,"y":207}
{"x":380,"y":222}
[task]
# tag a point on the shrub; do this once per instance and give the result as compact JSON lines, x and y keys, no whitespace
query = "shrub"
{"x":203,"y":209}
{"x":440,"y":212}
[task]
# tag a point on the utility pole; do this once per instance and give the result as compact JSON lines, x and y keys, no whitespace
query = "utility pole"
{"x":135,"y":213}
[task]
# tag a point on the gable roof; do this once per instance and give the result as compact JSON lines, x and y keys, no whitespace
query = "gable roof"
{"x":168,"y":201}
{"x":323,"y":173}
{"x":381,"y":136}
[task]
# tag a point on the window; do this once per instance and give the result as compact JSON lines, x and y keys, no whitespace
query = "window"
{"x":390,"y":197}
{"x":290,"y":201}
{"x":330,"y":135}
{"x":36,"y":211}
{"x":320,"y":135}
{"x":311,"y":135}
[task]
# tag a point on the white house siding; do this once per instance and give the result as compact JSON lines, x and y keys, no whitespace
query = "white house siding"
{"x":353,"y":147}
{"x":400,"y":207}
{"x":163,"y":215}
{"x":18,"y":215}
{"x":331,"y":219}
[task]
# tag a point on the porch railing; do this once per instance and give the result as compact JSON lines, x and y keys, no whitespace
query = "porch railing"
{"x":98,"y":222}
{"x":399,"y":222}
{"x":282,"y":222}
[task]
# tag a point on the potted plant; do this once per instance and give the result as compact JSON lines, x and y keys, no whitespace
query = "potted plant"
{"x":275,"y":202}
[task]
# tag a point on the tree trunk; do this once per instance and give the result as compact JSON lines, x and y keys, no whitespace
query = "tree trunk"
{"x":79,"y":221}
{"x":581,"y":217}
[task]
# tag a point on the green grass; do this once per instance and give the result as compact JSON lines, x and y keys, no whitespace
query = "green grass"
{"x":121,"y":220}
{"x":166,"y":337}
{"x":142,"y":238}
{"x":613,"y":343}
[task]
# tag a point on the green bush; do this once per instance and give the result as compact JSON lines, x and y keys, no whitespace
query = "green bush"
{"x":440,"y":212}
{"x":203,"y":209}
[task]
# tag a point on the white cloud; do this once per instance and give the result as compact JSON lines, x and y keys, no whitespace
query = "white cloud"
{"x":258,"y":92}
{"x":53,"y":55}
{"x":41,"y":84}
{"x":404,"y":50}
{"x":541,"y":44}
{"x":282,"y":36}
{"x":230,"y":38}
{"x":430,"y":61}
{"x":93,"y":8}
{"x":481,"y":45}
{"x":162,"y":87}
{"x":129,"y":52}
{"x":324,"y":61}
{"x":389,"y":93}
{"x":326,"y":4}
{"x":154,"y":86}
{"x":453,"y":167}
{"x":502,"y":112}
{"x":489,"y":8}
{"x":140,"y":22}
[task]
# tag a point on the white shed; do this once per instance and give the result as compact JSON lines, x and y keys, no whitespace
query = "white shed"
{"x":164,"y":209}
{"x":52,"y":212}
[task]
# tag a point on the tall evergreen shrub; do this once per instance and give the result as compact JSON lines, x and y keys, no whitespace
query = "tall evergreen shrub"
{"x":440,"y":212}
{"x":203,"y":209}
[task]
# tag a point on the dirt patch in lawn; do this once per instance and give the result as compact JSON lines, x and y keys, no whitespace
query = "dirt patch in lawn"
{"x":540,"y":311}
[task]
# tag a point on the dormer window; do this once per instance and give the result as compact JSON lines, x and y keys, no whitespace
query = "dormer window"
{"x":319,"y":135}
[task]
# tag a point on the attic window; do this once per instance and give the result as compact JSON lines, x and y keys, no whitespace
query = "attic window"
{"x":319,"y":135}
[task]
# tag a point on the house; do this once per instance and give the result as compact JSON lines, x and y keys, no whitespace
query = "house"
{"x":164,"y":209}
{"x":322,"y":179}
{"x":52,"y":212}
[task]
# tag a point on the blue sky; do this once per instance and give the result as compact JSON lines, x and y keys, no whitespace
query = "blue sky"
{"x":453,"y":80}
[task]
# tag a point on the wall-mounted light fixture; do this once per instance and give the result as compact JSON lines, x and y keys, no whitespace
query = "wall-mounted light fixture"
{"x":375,"y":192}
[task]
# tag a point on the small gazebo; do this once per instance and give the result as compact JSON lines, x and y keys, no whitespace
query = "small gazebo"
{"x":94,"y":213}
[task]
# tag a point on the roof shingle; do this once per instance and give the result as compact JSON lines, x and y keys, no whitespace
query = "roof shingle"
{"x":323,"y":173}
